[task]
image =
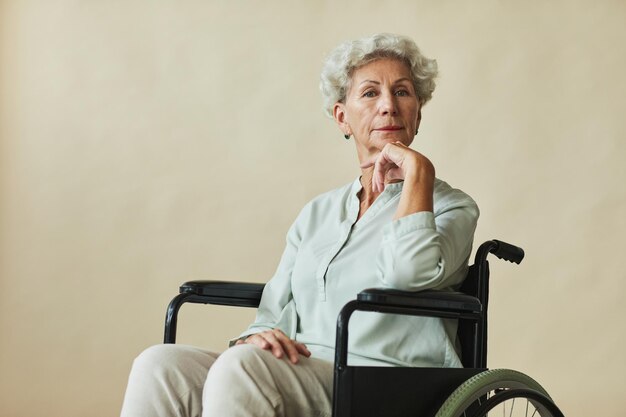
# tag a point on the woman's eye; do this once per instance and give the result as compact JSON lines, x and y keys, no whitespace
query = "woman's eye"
{"x":402,"y":93}
{"x":369,"y":93}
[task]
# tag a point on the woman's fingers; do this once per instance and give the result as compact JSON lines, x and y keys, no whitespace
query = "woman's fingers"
{"x":259,"y":340}
{"x":286,"y":345}
{"x":390,"y":164}
{"x":378,"y":178}
{"x":274,"y":344}
{"x":384,"y":163}
{"x":279,"y":344}
{"x":389,"y":159}
{"x":302,"y":349}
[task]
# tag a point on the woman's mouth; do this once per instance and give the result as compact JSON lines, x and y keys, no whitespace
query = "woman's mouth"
{"x":389,"y":128}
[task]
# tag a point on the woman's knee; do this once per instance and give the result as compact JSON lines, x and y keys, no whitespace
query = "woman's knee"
{"x":166,"y":379}
{"x":241,"y":354}
{"x":240,"y":379}
{"x":248,"y":376}
{"x":244,"y":357}
{"x":156,"y":356}
{"x":164,"y":358}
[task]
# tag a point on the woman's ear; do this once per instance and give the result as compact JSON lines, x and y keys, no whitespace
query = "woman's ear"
{"x":339,"y":114}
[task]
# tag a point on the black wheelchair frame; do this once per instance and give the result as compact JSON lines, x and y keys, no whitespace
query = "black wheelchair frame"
{"x":397,"y":392}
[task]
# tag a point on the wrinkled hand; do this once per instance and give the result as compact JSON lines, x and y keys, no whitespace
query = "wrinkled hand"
{"x":397,"y":162}
{"x":278,"y":343}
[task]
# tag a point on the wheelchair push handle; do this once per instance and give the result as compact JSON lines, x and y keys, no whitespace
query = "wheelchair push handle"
{"x":507,"y":251}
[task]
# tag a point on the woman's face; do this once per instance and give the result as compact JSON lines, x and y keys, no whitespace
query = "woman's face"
{"x":380,"y":107}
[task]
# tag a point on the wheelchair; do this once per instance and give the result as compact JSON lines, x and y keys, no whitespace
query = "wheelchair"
{"x":363,"y":391}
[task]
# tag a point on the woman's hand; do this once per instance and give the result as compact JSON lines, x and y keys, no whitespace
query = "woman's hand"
{"x":396,"y":161}
{"x":278,"y":343}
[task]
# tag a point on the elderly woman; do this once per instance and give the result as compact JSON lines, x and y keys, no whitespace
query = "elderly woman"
{"x":395,"y":226}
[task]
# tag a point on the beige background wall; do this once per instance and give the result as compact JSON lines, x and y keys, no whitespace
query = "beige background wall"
{"x":144,"y":143}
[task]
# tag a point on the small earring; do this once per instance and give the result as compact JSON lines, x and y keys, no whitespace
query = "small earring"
{"x":346,"y":137}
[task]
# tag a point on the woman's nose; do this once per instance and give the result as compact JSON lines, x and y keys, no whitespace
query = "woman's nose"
{"x":387,"y":104}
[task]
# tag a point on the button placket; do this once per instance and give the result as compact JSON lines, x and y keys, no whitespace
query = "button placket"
{"x":346,"y":225}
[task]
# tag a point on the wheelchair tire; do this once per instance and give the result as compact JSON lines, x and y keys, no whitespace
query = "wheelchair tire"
{"x":500,"y":400}
{"x":481,"y":393}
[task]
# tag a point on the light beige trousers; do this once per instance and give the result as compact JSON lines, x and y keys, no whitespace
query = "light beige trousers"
{"x":244,"y":381}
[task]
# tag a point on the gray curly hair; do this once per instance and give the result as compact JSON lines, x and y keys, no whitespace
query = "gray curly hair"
{"x":351,"y":55}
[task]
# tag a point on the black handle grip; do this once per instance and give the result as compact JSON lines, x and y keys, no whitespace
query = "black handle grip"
{"x":508,"y":252}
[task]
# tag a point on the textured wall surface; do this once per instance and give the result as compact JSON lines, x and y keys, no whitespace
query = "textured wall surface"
{"x":146,"y":143}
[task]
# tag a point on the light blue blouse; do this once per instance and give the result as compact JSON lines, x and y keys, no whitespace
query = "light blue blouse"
{"x":330,"y":257}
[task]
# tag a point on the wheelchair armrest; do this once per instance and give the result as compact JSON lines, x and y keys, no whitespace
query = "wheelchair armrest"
{"x":239,"y":294}
{"x":428,"y":299}
{"x":428,"y":303}
{"x":242,"y":294}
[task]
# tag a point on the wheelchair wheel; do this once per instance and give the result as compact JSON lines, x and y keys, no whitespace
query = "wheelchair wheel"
{"x":499,"y":392}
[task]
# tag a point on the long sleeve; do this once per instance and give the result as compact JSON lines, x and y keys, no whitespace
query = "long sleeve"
{"x":429,"y":250}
